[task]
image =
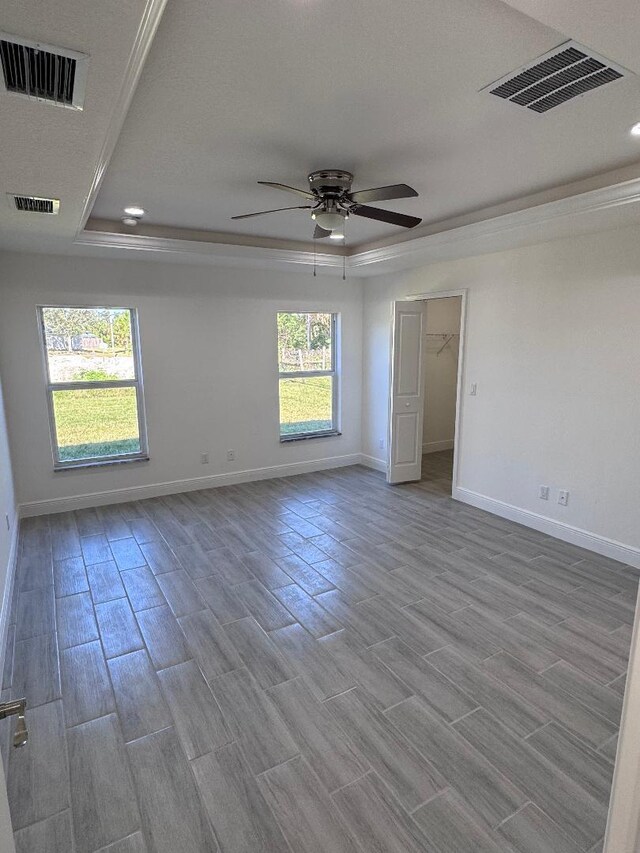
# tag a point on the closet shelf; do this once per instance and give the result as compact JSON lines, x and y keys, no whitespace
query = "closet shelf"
{"x":447,"y":337}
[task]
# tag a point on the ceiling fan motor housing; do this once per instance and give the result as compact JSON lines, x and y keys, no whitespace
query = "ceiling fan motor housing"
{"x":330,"y":183}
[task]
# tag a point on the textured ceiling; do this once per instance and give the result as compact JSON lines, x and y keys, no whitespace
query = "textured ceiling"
{"x":47,"y":150}
{"x":241,"y":90}
{"x":612,"y":26}
{"x":244,"y":90}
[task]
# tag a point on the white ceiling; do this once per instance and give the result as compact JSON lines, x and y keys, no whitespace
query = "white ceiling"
{"x":613,"y":26}
{"x":246,"y":90}
{"x":242,"y":91}
{"x":47,"y":150}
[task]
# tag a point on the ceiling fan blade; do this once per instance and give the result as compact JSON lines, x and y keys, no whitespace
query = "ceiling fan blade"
{"x":383,"y":193}
{"x":319,"y":233}
{"x":389,"y":216}
{"x":301,"y":193}
{"x":276,"y":210}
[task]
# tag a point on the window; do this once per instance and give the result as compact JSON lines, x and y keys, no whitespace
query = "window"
{"x":308,"y":375}
{"x":94,"y":385}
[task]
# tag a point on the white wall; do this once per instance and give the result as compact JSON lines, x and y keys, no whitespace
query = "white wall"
{"x":209,"y":359}
{"x":442,"y":316}
{"x":7,"y":542}
{"x":553,"y":341}
{"x":7,"y":501}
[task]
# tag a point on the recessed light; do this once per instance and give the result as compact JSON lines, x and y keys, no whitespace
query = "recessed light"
{"x":137,"y":212}
{"x":131,"y":221}
{"x":635,"y":130}
{"x":336,"y":236}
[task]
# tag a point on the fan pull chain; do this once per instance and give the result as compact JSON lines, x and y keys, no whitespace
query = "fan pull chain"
{"x":314,"y":257}
{"x":344,"y":251}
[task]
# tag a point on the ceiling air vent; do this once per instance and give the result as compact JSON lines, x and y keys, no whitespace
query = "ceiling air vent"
{"x":554,"y":78}
{"x":35,"y":204}
{"x":42,"y":72}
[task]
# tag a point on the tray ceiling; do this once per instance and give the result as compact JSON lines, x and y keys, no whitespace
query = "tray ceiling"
{"x":246,"y":91}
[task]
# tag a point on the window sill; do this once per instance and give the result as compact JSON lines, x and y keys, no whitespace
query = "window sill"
{"x":285,"y":439}
{"x":94,"y":463}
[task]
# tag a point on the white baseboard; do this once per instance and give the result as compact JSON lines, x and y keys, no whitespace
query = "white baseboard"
{"x":583,"y":538}
{"x":155,"y":490}
{"x":435,"y":446}
{"x":372,"y":462}
{"x":567,"y":532}
{"x":7,"y":596}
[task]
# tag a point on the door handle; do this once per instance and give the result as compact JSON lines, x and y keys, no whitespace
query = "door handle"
{"x":18,"y":708}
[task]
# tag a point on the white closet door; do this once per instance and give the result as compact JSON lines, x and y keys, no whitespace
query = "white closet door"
{"x":407,"y":394}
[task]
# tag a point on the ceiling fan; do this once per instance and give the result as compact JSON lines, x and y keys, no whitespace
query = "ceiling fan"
{"x":331,"y":202}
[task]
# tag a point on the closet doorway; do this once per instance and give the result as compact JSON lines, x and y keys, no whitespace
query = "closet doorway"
{"x":426,"y":369}
{"x":440,"y":356}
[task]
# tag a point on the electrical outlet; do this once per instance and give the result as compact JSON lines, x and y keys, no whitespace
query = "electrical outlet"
{"x":543,"y":494}
{"x":204,"y":458}
{"x":563,"y":497}
{"x":474,"y":389}
{"x":231,"y":456}
{"x":381,"y":443}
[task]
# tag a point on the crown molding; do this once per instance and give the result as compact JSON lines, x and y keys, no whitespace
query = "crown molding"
{"x":195,"y":236}
{"x":542,"y":221}
{"x":213,"y":251}
{"x":144,"y":37}
{"x":420,"y":249}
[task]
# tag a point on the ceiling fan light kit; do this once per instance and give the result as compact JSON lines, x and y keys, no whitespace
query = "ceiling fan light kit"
{"x":331,"y":202}
{"x":132,"y":215}
{"x":329,"y":220}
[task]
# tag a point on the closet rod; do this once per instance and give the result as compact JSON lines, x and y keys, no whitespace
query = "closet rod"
{"x":447,"y":337}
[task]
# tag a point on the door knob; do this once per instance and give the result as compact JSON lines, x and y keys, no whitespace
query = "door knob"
{"x":16,"y":707}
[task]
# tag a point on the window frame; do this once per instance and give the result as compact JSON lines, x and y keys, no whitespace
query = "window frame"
{"x":137,"y":383}
{"x":334,"y":373}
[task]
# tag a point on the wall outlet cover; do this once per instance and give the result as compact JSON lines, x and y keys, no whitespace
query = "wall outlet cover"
{"x":543,"y":494}
{"x":563,"y":497}
{"x":231,"y":456}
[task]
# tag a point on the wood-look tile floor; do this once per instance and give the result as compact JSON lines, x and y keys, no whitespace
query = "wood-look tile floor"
{"x":318,"y":663}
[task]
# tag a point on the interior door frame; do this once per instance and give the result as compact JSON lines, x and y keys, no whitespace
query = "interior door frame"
{"x":423,"y":297}
{"x":623,"y":818}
